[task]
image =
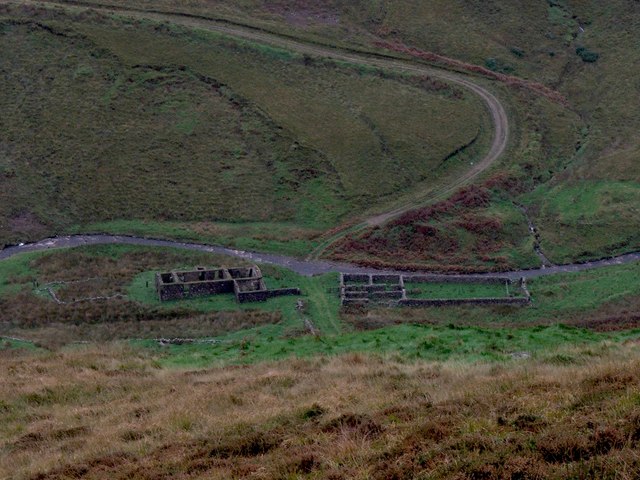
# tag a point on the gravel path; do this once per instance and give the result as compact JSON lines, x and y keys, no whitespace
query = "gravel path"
{"x":302,"y":267}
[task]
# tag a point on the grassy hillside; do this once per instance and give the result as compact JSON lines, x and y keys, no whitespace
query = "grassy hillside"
{"x":583,"y":50}
{"x":110,"y":411}
{"x":472,"y":230}
{"x":537,"y":40}
{"x":550,"y":41}
{"x":109,"y":120}
{"x":588,"y":207}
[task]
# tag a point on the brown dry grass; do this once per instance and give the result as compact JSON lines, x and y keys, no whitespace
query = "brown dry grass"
{"x":109,"y":412}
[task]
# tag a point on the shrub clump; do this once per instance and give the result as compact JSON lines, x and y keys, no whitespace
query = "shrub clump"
{"x":435,"y":237}
{"x":497,"y":65}
{"x":587,"y":55}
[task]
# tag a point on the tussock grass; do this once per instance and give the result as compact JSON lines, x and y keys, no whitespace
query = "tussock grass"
{"x":110,"y":411}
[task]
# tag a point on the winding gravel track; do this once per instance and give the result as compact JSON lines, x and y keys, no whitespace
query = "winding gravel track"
{"x":314,"y":266}
{"x":302,"y":267}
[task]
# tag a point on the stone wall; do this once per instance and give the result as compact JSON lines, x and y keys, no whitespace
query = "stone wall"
{"x":386,"y":279}
{"x":168,"y":291}
{"x":421,"y":302}
{"x":249,"y":285}
{"x":355,"y":278}
{"x":257,"y":296}
{"x":203,"y":289}
{"x":263,"y":295}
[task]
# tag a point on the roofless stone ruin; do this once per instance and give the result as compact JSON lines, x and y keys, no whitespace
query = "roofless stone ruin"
{"x":391,"y":290}
{"x":245,"y":282}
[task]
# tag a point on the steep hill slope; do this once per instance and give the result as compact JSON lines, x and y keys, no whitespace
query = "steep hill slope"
{"x":584,"y":195}
{"x":114,"y":119}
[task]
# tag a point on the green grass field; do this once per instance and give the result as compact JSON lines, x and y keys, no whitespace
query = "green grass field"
{"x":409,"y":342}
{"x":594,"y":306}
{"x":459,"y":290}
{"x":570,"y":309}
{"x":322,"y":307}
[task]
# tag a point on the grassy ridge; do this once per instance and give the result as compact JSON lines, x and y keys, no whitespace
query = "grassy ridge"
{"x":474,"y":229}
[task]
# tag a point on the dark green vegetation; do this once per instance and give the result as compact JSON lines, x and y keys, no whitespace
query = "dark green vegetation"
{"x":581,"y":158}
{"x":107,"y":120}
{"x":593,"y":306}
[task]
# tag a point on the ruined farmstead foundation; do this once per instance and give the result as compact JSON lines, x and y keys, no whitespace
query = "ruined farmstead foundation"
{"x":245,"y":282}
{"x":390,"y":290}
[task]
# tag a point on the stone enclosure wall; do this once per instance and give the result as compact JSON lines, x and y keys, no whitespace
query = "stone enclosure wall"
{"x":245,"y":282}
{"x":382,"y":289}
